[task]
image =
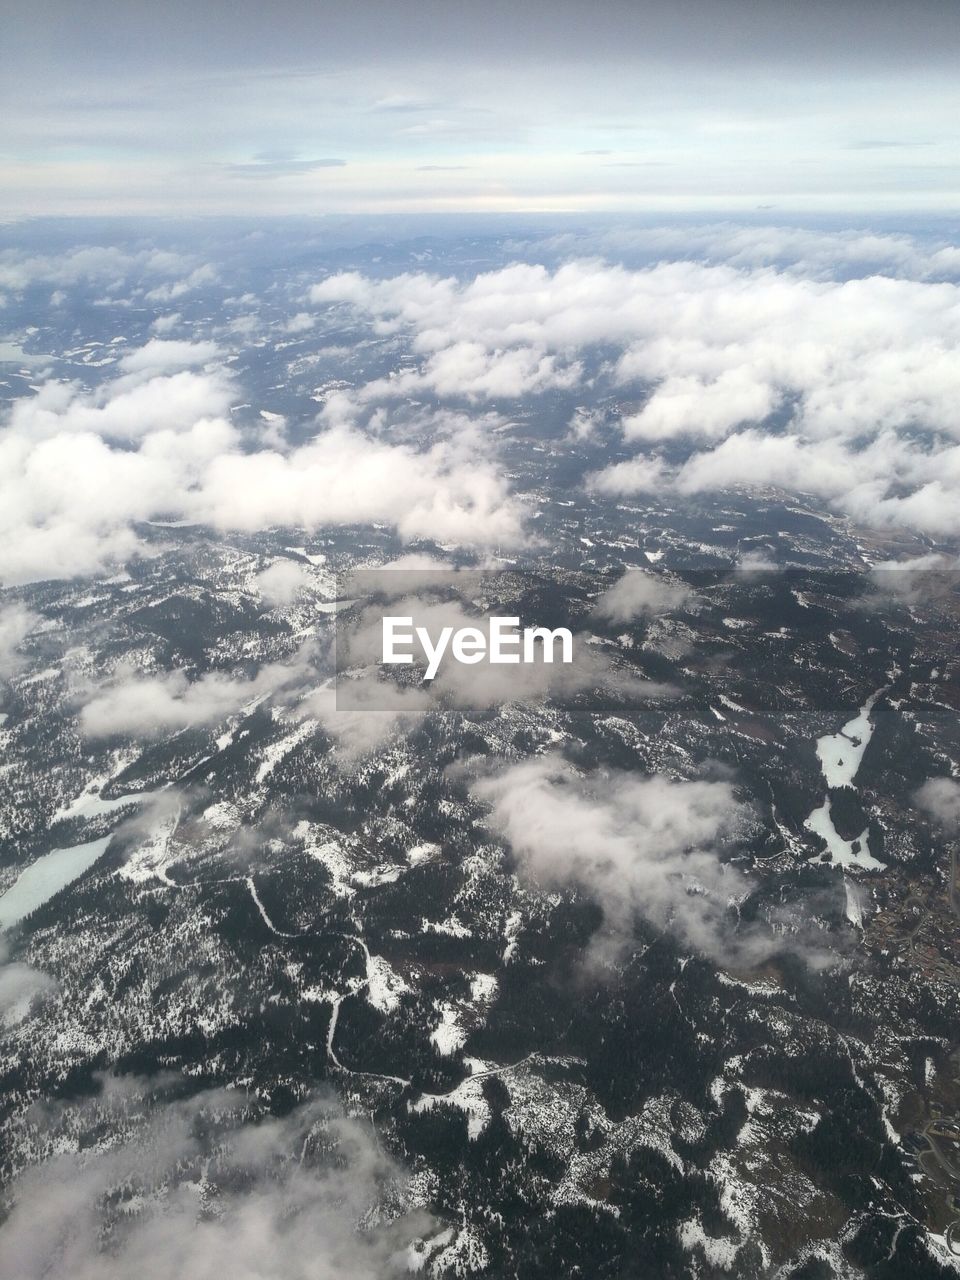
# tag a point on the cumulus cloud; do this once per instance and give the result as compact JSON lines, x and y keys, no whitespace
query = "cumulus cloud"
{"x":893,"y":480}
{"x":412,"y":573}
{"x":343,"y":476}
{"x":164,"y":324}
{"x":302,"y":322}
{"x":163,"y":355}
{"x":131,"y":407}
{"x":929,"y":579}
{"x":203,"y":1187}
{"x":644,"y":846}
{"x":19,"y":984}
{"x":843,"y":388}
{"x":281,"y":582}
{"x":707,"y":407}
{"x":940,"y":798}
{"x":78,"y":469}
{"x":732,"y":373}
{"x":69,"y":497}
{"x":755,"y":562}
{"x":638,"y":594}
{"x":411,"y":562}
{"x":468,"y":370}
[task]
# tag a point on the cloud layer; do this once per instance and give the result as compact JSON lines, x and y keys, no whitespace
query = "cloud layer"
{"x":728,"y":372}
{"x":431,"y":105}
{"x":79,"y":469}
{"x":846,"y":389}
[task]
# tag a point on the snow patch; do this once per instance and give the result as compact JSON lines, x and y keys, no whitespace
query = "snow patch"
{"x":718,"y":1252}
{"x":384,"y":985}
{"x":449,"y":1035}
{"x":425,"y":852}
{"x":467,"y":1097}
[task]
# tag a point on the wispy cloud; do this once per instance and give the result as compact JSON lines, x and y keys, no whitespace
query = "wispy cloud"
{"x":885,"y":144}
{"x":282,"y":168}
{"x":204,"y":1185}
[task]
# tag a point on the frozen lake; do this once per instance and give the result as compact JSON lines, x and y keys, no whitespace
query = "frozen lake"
{"x":47,"y":876}
{"x":846,"y":853}
{"x":840,"y":753}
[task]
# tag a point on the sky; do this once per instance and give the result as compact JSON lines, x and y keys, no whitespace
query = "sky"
{"x":302,"y":106}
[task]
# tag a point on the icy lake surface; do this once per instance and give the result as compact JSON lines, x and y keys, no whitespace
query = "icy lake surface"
{"x":840,"y":755}
{"x":47,"y":876}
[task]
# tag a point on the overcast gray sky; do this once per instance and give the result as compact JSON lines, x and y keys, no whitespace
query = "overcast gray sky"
{"x":305,"y":106}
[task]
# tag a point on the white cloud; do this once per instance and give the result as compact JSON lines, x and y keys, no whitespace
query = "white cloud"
{"x":154,"y":705}
{"x":281,"y":582}
{"x":479,"y":685}
{"x":638,"y":594}
{"x":893,"y":481}
{"x":809,"y":252}
{"x":187,"y":284}
{"x":692,"y":405}
{"x":164,"y":324}
{"x":193,"y":1187}
{"x":342,"y":476}
{"x":89,"y":264}
{"x":755,"y":562}
{"x":69,"y":494}
{"x":166,"y":355}
{"x":365,"y":712}
{"x":863,"y":374}
{"x":16,"y":623}
{"x":302,"y":322}
{"x":468,"y":370}
{"x":19,"y":985}
{"x":144,"y":401}
{"x":940,"y":798}
{"x":644,"y":846}
{"x":752,"y":376}
{"x":720,"y":344}
{"x":68,"y":498}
